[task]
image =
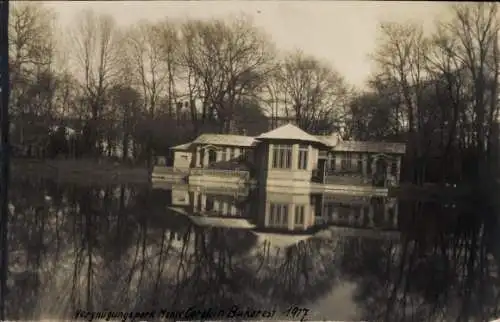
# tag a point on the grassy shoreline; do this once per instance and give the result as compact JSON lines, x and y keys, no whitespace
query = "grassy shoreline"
{"x":78,"y":170}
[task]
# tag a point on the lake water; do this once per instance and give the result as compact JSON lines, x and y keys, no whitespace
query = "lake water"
{"x":341,"y":257}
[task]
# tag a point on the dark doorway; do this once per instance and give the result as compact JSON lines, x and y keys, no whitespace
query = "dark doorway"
{"x":320,"y":172}
{"x":212,"y":156}
{"x":380,"y":175}
{"x":202,"y":158}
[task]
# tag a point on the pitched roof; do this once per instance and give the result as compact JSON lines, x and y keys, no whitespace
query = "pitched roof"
{"x":330,"y":140}
{"x":226,"y":222}
{"x":184,"y":146}
{"x":289,"y":132}
{"x":372,"y":147}
{"x":225,"y":139}
{"x":282,"y":241}
{"x":235,"y":223}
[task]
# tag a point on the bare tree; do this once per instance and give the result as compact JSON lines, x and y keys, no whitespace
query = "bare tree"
{"x":67,"y":92}
{"x":168,"y":33}
{"x":451,"y":87}
{"x":96,"y":51}
{"x":312,"y":92}
{"x":447,"y":85}
{"x":186,"y":67}
{"x":229,"y":61}
{"x":144,"y":48}
{"x":476,"y":27}
{"x":31,"y":54}
{"x":151,"y":48}
{"x":126,"y":104}
{"x":271,"y":96}
{"x":400,"y":59}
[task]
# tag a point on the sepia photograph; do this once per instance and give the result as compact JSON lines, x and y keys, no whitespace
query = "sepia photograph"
{"x":249,"y":161}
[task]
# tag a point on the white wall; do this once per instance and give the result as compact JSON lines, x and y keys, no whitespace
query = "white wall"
{"x":200,"y":161}
{"x":291,"y":201}
{"x":180,"y":197}
{"x":293,"y":176}
{"x":182,"y":159}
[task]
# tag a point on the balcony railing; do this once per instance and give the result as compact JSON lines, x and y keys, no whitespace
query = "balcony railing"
{"x":221,"y":213}
{"x":345,"y":179}
{"x":168,"y":170}
{"x":245,"y":175}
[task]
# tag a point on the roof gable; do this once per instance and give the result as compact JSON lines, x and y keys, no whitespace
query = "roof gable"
{"x":181,"y":147}
{"x":225,"y":139}
{"x":282,"y":241}
{"x":371,"y":147}
{"x":330,"y":140}
{"x":289,"y":132}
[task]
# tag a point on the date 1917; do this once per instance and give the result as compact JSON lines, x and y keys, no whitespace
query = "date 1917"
{"x":296,"y":313}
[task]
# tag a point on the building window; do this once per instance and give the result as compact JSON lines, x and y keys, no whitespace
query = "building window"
{"x":223,"y":154}
{"x":233,"y":210}
{"x":331,"y":162}
{"x":299,"y":214}
{"x":347,"y":161}
{"x":278,"y":215}
{"x":245,"y":154}
{"x":161,"y":161}
{"x":282,"y":156}
{"x":303,"y":153}
{"x":209,"y":205}
{"x":198,"y":205}
{"x":212,"y":156}
{"x":232,"y":153}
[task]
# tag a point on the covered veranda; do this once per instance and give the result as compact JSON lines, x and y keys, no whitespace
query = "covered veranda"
{"x":370,"y":168}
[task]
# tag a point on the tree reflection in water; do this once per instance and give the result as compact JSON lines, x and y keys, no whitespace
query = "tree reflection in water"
{"x":445,"y":268}
{"x":121,"y":248}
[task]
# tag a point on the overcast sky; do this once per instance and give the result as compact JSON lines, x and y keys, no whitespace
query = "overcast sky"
{"x":340,"y":32}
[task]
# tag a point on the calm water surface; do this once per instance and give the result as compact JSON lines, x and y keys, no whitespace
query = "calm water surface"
{"x":125,"y":248}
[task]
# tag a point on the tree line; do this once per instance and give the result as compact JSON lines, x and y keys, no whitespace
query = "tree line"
{"x":151,"y":85}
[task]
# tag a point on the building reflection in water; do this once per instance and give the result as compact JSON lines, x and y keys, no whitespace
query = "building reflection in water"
{"x":358,"y":211}
{"x":223,"y":203}
{"x":284,"y":219}
{"x":285,"y":212}
{"x":120,"y":248}
{"x":212,"y":208}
